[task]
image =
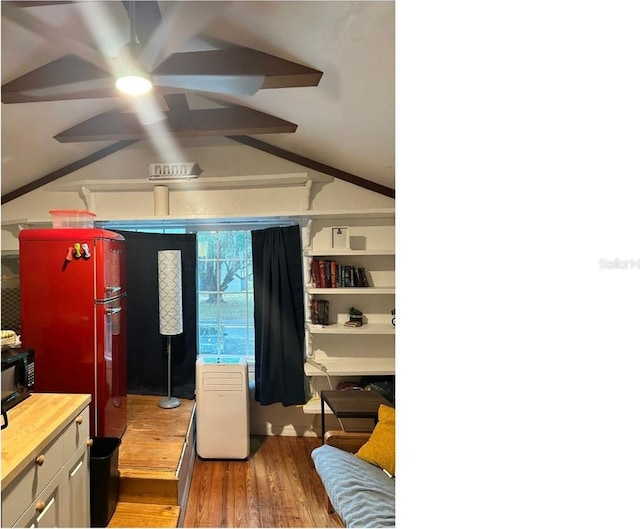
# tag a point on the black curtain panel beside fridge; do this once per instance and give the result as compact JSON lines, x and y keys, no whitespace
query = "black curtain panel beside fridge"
{"x":146,"y":347}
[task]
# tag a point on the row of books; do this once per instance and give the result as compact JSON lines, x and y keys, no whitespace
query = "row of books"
{"x":320,"y":311}
{"x":326,"y":273}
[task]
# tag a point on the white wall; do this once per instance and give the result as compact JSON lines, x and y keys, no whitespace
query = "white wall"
{"x":218,"y":161}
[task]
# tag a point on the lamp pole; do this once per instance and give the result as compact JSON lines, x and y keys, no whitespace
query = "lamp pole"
{"x":169,"y":402}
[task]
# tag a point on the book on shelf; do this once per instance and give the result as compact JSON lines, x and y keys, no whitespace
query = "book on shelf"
{"x":345,"y":276}
{"x":315,"y":273}
{"x":322,"y":273}
{"x":327,"y":273}
{"x":361,"y":277}
{"x":357,"y":277}
{"x":315,"y":314}
{"x":325,"y":312}
{"x":365,"y":281}
{"x":319,"y":312}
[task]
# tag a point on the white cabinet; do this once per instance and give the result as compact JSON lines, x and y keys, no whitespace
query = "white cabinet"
{"x":46,"y":463}
{"x":335,"y":352}
{"x":46,"y":510}
{"x":64,"y":502}
{"x":76,"y":475}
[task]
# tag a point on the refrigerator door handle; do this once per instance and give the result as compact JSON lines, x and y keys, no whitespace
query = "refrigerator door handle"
{"x":115,"y":310}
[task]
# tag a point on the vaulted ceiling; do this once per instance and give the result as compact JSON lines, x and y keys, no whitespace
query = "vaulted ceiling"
{"x":310,"y":81}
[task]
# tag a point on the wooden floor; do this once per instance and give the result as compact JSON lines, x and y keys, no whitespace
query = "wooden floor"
{"x":277,"y":486}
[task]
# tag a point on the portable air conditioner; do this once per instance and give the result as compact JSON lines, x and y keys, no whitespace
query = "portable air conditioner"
{"x":222,"y":407}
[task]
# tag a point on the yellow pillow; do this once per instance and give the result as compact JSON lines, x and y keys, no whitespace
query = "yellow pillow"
{"x":380,"y":449}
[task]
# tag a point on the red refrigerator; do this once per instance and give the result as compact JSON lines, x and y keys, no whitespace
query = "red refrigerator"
{"x":73,"y":314}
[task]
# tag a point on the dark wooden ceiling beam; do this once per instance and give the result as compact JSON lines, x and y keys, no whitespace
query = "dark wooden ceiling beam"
{"x":177,"y":102}
{"x":63,"y":171}
{"x":117,"y":125}
{"x":245,"y":140}
{"x":316,"y":166}
{"x":279,"y":73}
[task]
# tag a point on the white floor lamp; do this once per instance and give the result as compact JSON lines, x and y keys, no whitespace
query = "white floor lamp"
{"x":170,"y":303}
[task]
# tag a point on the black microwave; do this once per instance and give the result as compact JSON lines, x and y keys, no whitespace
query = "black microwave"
{"x":18,"y":376}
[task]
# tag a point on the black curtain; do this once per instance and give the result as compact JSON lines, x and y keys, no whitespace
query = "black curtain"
{"x":279,"y":316}
{"x":146,"y":347}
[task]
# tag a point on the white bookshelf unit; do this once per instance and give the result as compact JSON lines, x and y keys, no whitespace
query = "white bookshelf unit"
{"x":334,"y":351}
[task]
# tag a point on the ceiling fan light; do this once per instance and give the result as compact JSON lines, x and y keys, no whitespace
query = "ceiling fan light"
{"x":134,"y":84}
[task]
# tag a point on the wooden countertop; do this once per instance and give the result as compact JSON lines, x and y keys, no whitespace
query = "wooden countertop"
{"x":33,"y":424}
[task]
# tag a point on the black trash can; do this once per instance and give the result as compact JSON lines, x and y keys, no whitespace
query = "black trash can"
{"x":103,"y":484}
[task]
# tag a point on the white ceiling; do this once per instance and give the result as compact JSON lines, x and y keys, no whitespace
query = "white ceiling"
{"x":346,"y":122}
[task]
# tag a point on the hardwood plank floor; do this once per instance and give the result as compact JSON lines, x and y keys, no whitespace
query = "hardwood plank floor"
{"x":277,"y":486}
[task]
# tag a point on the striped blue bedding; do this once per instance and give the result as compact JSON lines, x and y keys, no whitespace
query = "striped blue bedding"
{"x":361,"y":493}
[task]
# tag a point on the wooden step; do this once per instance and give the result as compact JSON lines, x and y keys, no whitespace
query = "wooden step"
{"x":144,"y":515}
{"x":148,"y":487}
{"x":154,"y":463}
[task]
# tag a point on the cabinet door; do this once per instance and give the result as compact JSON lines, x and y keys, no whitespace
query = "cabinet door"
{"x":26,"y":488}
{"x":76,"y":475}
{"x":46,"y":511}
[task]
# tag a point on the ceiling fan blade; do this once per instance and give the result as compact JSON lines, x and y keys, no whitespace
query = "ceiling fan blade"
{"x":147,"y":109}
{"x":81,"y":88}
{"x":179,"y":25}
{"x":242,"y":85}
{"x":106,"y":27}
{"x":69,"y":70}
{"x":201,"y":43}
{"x":54,"y":35}
{"x":145,"y":16}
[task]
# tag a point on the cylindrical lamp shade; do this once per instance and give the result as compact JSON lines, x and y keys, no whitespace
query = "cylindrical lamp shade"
{"x":170,"y":291}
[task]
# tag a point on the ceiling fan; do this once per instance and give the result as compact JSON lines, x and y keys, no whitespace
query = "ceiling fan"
{"x":92,"y":72}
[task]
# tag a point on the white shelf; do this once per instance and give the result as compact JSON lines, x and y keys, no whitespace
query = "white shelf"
{"x":371,"y":213}
{"x":367,"y":352}
{"x":339,"y":328}
{"x":351,"y":291}
{"x":346,"y":253}
{"x":197,"y":220}
{"x":213,"y":182}
{"x":315,"y":406}
{"x":353,"y":366}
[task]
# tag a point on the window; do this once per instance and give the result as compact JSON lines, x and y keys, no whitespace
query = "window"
{"x":225,"y":281}
{"x":225,"y":293}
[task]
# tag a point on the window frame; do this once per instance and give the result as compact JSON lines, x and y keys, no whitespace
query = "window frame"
{"x":178,"y":225}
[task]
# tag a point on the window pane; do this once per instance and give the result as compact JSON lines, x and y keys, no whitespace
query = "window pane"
{"x":225,"y":293}
{"x":233,"y":316}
